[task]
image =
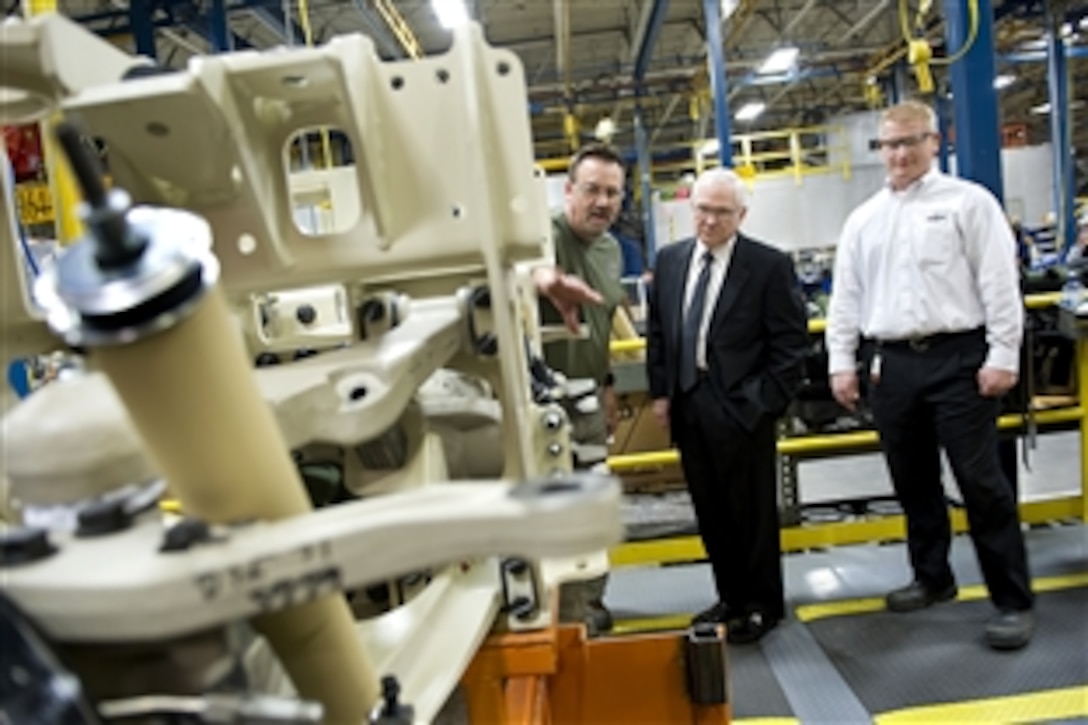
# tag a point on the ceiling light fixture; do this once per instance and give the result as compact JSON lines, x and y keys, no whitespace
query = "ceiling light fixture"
{"x":1041,"y":110}
{"x":750,"y":111}
{"x":1003,"y":81}
{"x":728,"y":8}
{"x":451,"y":13}
{"x":779,"y":61}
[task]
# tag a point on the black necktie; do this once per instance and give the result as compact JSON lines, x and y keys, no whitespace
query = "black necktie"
{"x":692,"y":320}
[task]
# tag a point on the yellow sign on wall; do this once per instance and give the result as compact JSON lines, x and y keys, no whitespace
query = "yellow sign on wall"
{"x":35,"y":203}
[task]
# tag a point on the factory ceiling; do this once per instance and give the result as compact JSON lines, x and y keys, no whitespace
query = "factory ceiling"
{"x":582,"y":57}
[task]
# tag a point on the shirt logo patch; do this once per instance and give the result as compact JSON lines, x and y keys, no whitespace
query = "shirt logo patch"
{"x":937,"y":216}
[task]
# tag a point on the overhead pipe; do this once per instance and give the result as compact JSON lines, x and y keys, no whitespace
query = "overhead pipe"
{"x":844,"y":59}
{"x":866,"y":19}
{"x":1070,"y":52}
{"x":798,"y":17}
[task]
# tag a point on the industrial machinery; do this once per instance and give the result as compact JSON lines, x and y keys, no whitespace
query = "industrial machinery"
{"x":251,"y":318}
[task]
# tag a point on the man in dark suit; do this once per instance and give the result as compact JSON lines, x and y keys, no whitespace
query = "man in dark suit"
{"x":726,"y":340}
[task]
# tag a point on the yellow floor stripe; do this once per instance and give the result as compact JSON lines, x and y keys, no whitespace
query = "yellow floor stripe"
{"x":1032,"y":707}
{"x":810,"y":612}
{"x":652,"y":624}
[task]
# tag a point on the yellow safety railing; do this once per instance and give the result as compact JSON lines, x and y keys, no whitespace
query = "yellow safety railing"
{"x":796,"y":152}
{"x":892,"y":527}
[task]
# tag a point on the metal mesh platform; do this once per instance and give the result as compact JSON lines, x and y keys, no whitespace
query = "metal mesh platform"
{"x":848,"y":668}
{"x":897,"y":661}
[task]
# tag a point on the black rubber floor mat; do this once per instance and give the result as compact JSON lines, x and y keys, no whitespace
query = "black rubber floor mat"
{"x":755,"y":689}
{"x":938,"y":655}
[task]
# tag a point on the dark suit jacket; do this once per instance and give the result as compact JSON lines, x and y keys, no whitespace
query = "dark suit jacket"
{"x":758,"y":335}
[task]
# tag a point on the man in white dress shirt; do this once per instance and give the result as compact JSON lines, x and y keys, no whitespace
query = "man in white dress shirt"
{"x":926,"y":296}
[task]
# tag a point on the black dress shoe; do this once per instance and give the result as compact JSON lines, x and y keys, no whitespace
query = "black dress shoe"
{"x":918,"y":596}
{"x":749,"y":628}
{"x":1010,"y":629}
{"x":712,"y":615}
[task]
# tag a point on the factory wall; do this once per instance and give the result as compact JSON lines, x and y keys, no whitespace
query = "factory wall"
{"x":811,"y":213}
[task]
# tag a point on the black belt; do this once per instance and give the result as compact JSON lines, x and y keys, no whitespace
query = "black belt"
{"x":925,"y":342}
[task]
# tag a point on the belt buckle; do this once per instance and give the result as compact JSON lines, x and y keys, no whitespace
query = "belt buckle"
{"x":918,"y":344}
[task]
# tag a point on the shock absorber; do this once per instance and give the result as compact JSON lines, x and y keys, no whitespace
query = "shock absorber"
{"x":140,"y":293}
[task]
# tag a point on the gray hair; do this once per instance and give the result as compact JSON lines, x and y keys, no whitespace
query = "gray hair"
{"x":721,"y":176}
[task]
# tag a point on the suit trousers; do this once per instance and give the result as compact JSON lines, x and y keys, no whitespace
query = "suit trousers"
{"x":730,"y":473}
{"x":927,"y":399}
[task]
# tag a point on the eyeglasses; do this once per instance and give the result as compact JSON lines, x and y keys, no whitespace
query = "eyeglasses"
{"x":593,"y":191}
{"x":718,"y":212}
{"x":903,"y":141}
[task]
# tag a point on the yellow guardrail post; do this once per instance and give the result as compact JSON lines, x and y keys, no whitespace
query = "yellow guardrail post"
{"x":795,"y":155}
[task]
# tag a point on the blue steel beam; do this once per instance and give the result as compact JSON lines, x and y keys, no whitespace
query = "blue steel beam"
{"x":645,"y":175}
{"x":712,"y":14}
{"x":141,"y":18}
{"x":944,"y":124}
{"x":122,"y":13}
{"x":978,"y":147}
{"x":219,"y":32}
{"x":649,"y":38}
{"x":1064,"y":175}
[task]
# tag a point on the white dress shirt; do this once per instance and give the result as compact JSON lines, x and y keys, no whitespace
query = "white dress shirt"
{"x":936,"y":257}
{"x":719,"y":265}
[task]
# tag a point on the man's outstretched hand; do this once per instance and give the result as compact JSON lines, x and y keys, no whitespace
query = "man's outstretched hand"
{"x":566,"y":291}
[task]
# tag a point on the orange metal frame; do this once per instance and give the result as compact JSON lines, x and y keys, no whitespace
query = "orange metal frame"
{"x":557,"y":675}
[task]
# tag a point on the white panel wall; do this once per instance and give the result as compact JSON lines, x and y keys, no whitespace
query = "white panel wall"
{"x":1028,"y":175}
{"x":811,"y":214}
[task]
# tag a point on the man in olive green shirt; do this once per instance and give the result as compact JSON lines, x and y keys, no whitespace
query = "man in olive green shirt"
{"x":588,"y":261}
{"x":586,"y":251}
